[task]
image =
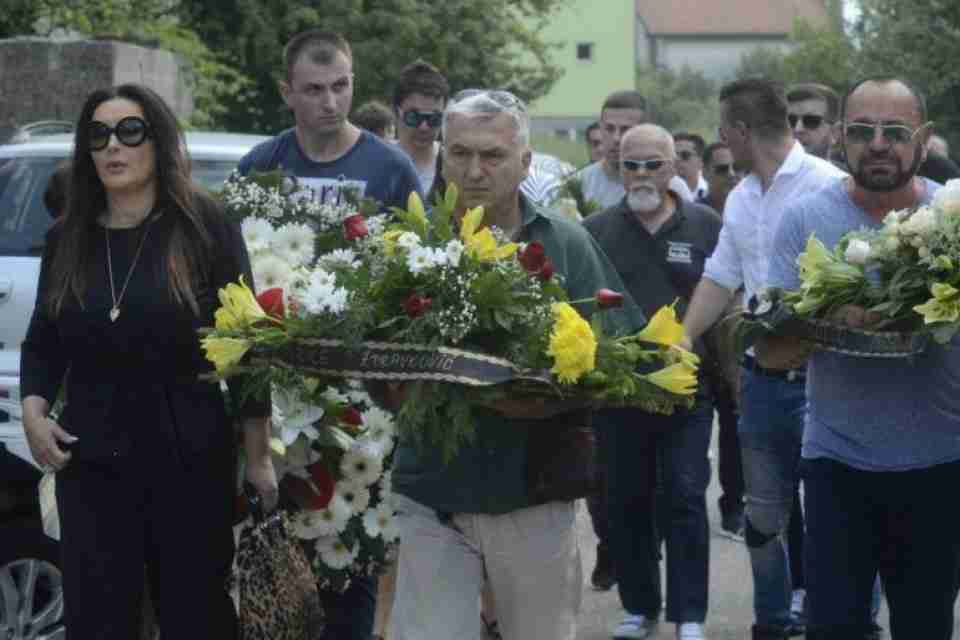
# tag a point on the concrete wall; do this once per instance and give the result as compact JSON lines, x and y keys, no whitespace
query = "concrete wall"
{"x":45,"y":80}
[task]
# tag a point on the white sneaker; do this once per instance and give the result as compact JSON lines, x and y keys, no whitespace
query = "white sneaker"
{"x":690,"y":631}
{"x":637,"y":627}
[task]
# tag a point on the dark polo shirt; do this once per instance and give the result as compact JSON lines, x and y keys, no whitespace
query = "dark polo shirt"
{"x":658,"y":268}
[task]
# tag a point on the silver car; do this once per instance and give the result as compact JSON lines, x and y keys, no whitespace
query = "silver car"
{"x":31,"y":604}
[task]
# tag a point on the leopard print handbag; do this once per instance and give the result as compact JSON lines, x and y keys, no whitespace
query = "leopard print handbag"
{"x":277,"y":591}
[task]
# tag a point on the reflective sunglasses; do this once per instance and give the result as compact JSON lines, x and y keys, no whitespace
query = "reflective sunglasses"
{"x":414,"y":119}
{"x":130,"y":131}
{"x":810,"y":121}
{"x":723,"y":170}
{"x":685,"y":154}
{"x":649,"y":165}
{"x":863,"y":133}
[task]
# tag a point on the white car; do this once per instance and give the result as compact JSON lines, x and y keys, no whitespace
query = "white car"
{"x":30,"y":598}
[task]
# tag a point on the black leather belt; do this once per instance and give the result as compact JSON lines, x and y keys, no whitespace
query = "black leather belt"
{"x":790,"y":375}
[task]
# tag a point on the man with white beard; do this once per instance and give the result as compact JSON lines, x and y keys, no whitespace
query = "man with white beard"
{"x":658,"y":243}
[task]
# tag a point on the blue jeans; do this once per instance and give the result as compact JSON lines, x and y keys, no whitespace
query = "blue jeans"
{"x":902,"y":524}
{"x":629,"y":441}
{"x":771,"y":431}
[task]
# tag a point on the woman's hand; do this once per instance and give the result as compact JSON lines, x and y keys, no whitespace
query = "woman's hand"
{"x":44,"y":437}
{"x":260,"y":472}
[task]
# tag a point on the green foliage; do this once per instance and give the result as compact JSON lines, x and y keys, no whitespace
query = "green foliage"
{"x":684,"y":100}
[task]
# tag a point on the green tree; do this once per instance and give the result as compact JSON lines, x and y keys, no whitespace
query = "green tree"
{"x":918,"y":40}
{"x":488,"y":44}
{"x":684,"y":100}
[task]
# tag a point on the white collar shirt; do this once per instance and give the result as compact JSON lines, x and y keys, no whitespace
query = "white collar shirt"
{"x":751,"y":216}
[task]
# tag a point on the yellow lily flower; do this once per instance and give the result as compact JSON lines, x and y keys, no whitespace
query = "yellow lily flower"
{"x":239,"y":307}
{"x":944,"y":306}
{"x":415,"y":207}
{"x":663,"y":328}
{"x":481,"y":244}
{"x":678,"y":378}
{"x":390,"y":241}
{"x":224,"y":353}
{"x":814,"y":257}
{"x":573,"y":345}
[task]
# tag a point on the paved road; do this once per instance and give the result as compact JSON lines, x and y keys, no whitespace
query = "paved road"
{"x":731,"y":585}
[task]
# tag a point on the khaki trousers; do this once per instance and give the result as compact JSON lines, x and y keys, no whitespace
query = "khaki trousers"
{"x":530,"y":558}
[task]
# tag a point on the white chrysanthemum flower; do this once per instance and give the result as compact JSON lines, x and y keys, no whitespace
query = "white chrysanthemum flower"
{"x":377,"y":224}
{"x":335,"y":554}
{"x":362,"y":464}
{"x":310,"y":524}
{"x":294,"y":243}
{"x":321,"y":297}
{"x":922,"y":222}
{"x":454,"y":251}
{"x":257,"y":234}
{"x":378,"y":424}
{"x":355,"y":494}
{"x":270,"y":271}
{"x":423,"y":258}
{"x":292,"y":417}
{"x":340,"y":257}
{"x":322,"y":278}
{"x":379,"y":520}
{"x":408,"y":240}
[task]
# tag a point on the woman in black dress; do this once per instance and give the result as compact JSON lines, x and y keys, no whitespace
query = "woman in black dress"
{"x":144,"y":448}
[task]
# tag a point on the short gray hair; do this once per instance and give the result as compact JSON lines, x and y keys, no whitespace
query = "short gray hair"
{"x":491,"y":103}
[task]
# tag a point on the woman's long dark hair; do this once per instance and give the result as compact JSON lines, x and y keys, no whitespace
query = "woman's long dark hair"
{"x":176,"y":196}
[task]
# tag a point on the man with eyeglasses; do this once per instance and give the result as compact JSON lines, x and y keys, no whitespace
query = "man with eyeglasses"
{"x":690,"y":148}
{"x":659,"y":243}
{"x":328,"y":154}
{"x":754,"y":126}
{"x":882,"y":436}
{"x":418,"y":99}
{"x":336,"y":160}
{"x":486,"y":515}
{"x":601,"y":182}
{"x":812,"y":109}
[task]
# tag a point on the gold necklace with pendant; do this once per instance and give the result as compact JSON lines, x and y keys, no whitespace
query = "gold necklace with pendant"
{"x":115,"y":309}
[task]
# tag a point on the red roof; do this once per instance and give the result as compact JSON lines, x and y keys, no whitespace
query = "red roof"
{"x":728,"y":17}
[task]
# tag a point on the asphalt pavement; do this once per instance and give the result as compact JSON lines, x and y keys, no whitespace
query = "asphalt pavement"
{"x":731,"y":584}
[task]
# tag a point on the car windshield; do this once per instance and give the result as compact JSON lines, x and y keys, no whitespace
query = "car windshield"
{"x":24,"y":219}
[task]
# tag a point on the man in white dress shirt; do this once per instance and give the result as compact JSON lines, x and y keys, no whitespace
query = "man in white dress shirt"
{"x":754,"y":126}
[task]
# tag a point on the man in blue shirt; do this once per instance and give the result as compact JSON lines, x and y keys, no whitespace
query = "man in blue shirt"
{"x":334,"y":158}
{"x":327,"y":152}
{"x":882,"y":437}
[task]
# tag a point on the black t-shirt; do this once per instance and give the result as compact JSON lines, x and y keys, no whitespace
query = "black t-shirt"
{"x":938,"y":168}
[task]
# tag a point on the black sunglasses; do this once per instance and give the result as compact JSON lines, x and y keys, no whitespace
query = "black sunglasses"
{"x":723,"y":170}
{"x":685,"y":154}
{"x":130,"y":131}
{"x":414,"y":119}
{"x":649,"y":165}
{"x":810,"y":121}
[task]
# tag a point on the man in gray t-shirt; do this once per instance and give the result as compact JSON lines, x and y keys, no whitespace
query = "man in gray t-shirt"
{"x":882,"y":437}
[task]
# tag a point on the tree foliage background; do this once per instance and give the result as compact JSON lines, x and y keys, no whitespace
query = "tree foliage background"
{"x":234,"y":47}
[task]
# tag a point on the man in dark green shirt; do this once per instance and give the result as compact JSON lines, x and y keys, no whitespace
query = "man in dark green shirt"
{"x":474,"y":519}
{"x":659,"y":244}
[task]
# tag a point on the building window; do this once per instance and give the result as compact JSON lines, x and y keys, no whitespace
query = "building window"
{"x":585,"y":51}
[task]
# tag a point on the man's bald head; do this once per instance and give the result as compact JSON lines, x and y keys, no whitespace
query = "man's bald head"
{"x":649,"y":134}
{"x":884,"y":88}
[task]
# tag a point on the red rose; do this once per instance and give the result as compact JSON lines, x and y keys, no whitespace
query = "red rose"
{"x":608,"y":299}
{"x":351,"y":416}
{"x":546,"y":272}
{"x":355,"y":227}
{"x":271,"y":301}
{"x":315,"y":494}
{"x":532,"y":257}
{"x":416,"y":305}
